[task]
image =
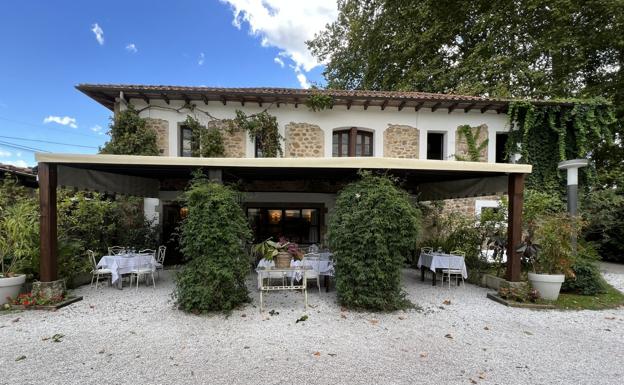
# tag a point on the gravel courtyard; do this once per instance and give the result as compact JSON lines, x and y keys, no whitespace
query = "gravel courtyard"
{"x":118,"y":337}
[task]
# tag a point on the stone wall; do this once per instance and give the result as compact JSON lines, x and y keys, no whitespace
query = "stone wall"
{"x":161,"y":127}
{"x":465,"y":206}
{"x":400,"y":141}
{"x":304,"y":140}
{"x":461,"y":144}
{"x":234,"y":142}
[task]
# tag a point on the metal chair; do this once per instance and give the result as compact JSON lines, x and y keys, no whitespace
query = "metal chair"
{"x":116,"y":250}
{"x":449,"y":271}
{"x":144,"y":270}
{"x":96,"y":273}
{"x":160,"y":259}
{"x":314,"y":261}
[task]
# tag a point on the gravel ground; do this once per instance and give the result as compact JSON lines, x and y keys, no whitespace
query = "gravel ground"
{"x":118,"y":337}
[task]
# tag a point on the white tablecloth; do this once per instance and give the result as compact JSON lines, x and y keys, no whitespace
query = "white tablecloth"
{"x":443,"y":261}
{"x":125,"y":263}
{"x":322,"y":267}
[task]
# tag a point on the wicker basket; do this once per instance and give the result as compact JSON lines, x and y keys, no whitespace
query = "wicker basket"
{"x":282,"y":260}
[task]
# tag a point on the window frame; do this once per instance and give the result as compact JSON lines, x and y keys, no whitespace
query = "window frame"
{"x":442,"y":145}
{"x":351,"y":135}
{"x":184,"y":129}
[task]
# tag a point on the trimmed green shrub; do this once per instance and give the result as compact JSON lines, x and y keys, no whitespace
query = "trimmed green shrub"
{"x":587,"y":278}
{"x":603,"y":211}
{"x":373,"y":227}
{"x":213,"y":237}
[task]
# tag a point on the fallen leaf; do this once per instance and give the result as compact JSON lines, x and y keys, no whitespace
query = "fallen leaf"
{"x":331,"y":354}
{"x":92,"y":306}
{"x":373,"y":321}
{"x":16,"y":319}
{"x":610,"y":318}
{"x":402,"y":317}
{"x":528,"y":333}
{"x":101,"y":351}
{"x":20,"y":358}
{"x":273,"y":312}
{"x":243,"y":315}
{"x":302,"y":318}
{"x":318,"y":354}
{"x":343,"y":316}
{"x":58,"y":337}
{"x":245,"y":347}
{"x":472,"y":381}
{"x":447,"y":302}
{"x":448,"y":336}
{"x":342,"y":308}
{"x":423,"y":354}
{"x":486,"y":328}
{"x":482,"y":375}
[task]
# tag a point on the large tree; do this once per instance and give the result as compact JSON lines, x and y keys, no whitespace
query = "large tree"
{"x":130,"y":135}
{"x":529,"y":48}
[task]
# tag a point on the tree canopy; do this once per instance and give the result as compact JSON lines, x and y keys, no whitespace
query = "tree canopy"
{"x":130,"y":136}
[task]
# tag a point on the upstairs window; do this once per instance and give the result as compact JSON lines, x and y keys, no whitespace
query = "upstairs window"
{"x":501,"y":143}
{"x":186,"y":142}
{"x":258,"y":147}
{"x":352,"y":142}
{"x":435,"y":145}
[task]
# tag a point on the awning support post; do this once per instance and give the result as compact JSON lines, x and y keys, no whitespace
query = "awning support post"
{"x":514,"y":227}
{"x":48,"y":264}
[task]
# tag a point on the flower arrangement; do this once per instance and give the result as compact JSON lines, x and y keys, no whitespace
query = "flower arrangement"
{"x":269,"y":248}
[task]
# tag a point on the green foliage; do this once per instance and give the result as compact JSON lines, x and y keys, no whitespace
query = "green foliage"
{"x":19,"y":241}
{"x":474,"y":148}
{"x":547,"y":134}
{"x":261,"y":127}
{"x":205,"y":142}
{"x":213,"y":238}
{"x":130,"y":136}
{"x":521,"y":294}
{"x":319,"y":102}
{"x":587,"y":279}
{"x":373,"y":227}
{"x":603,"y":211}
{"x":552,"y":245}
{"x":539,"y":204}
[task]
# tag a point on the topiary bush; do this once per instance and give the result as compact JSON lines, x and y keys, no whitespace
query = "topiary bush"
{"x":213,"y":237}
{"x":587,"y":279}
{"x":373,"y":227}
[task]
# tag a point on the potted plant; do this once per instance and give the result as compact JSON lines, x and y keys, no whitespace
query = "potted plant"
{"x":549,"y":252}
{"x":282,"y":251}
{"x":18,"y":243}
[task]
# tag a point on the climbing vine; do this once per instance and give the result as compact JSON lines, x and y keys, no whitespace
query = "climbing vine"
{"x":263,"y":128}
{"x":205,"y":142}
{"x":319,"y":102}
{"x":545,"y":134}
{"x":474,"y":148}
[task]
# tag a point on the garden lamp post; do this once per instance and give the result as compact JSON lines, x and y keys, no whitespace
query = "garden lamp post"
{"x":572,"y":167}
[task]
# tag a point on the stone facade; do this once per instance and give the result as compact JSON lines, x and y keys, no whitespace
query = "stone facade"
{"x":161,"y":127}
{"x":465,"y":206}
{"x":234,"y":142}
{"x":461,"y":144}
{"x":304,"y":140}
{"x":400,"y":141}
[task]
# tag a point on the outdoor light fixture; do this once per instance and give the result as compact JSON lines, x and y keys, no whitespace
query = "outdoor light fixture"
{"x":572,"y":166}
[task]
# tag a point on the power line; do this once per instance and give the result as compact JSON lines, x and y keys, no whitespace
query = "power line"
{"x":47,"y":141}
{"x":64,"y":129}
{"x":22,"y":147}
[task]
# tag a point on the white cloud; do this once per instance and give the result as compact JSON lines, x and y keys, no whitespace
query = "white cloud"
{"x":19,"y":154}
{"x":303,"y":80}
{"x":132,"y":48}
{"x":99,"y":33}
{"x":286,"y":24}
{"x":5,"y":153}
{"x":97,"y":129}
{"x":64,"y":120}
{"x":200,"y":61}
{"x":279,"y":61}
{"x":16,"y":162}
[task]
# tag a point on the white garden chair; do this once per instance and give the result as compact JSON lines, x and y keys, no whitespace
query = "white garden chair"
{"x":313,"y":260}
{"x":96,"y":273}
{"x":144,"y":270}
{"x":449,"y":271}
{"x":160,"y":259}
{"x":116,"y":250}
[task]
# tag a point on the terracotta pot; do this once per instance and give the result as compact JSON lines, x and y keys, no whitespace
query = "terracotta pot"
{"x":282,"y":260}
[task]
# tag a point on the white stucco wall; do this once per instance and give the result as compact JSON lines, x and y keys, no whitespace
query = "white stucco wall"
{"x":373,"y":119}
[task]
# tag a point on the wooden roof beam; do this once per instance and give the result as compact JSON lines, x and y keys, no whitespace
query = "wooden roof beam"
{"x":260,"y":101}
{"x":384,"y":104}
{"x":435,"y":106}
{"x":223,"y":100}
{"x":366,"y":103}
{"x":144,"y":97}
{"x":349,"y":103}
{"x":165,"y":98}
{"x":485,"y":108}
{"x":205,"y":99}
{"x":186,"y":99}
{"x":296,"y":102}
{"x":242,"y":102}
{"x":452,"y":107}
{"x":469,"y":107}
{"x":401,"y":105}
{"x":501,"y":109}
{"x":418,"y":106}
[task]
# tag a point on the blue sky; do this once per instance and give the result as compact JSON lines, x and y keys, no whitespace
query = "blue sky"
{"x":47,"y":47}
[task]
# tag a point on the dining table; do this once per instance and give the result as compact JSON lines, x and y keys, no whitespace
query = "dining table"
{"x":323,"y":267}
{"x":437,"y":260}
{"x":125,"y":263}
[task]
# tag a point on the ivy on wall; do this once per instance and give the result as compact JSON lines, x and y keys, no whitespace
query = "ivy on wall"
{"x":205,"y":142}
{"x":474,"y":148}
{"x":319,"y":102}
{"x":261,"y":127}
{"x":545,"y":134}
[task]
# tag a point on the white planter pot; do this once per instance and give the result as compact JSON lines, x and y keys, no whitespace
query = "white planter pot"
{"x":548,"y":285}
{"x":10,"y":287}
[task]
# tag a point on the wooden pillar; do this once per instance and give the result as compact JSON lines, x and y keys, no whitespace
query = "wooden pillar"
{"x":48,"y":265}
{"x":514,"y":228}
